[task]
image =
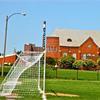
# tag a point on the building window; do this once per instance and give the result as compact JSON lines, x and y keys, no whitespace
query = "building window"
{"x":84,"y":56}
{"x":55,"y":49}
{"x":93,"y":55}
{"x":51,"y":49}
{"x":48,"y":49}
{"x":87,"y":56}
{"x":64,"y":54}
{"x":69,"y":40}
{"x":90,"y":45}
{"x":74,"y":55}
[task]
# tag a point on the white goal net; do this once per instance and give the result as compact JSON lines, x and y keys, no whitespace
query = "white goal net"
{"x":26,"y":78}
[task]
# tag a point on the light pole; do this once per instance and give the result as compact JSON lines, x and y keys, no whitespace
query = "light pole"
{"x":44,"y":35}
{"x":5,"y":37}
{"x":44,"y":48}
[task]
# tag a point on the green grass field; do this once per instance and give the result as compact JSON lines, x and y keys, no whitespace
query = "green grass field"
{"x":87,"y":90}
{"x":6,"y":69}
{"x":72,"y":74}
{"x":86,"y":87}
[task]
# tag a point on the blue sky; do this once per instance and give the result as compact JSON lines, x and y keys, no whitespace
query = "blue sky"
{"x":69,"y":14}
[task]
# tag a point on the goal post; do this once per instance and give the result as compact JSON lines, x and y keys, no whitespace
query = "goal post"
{"x":27,"y":76}
{"x":41,"y":76}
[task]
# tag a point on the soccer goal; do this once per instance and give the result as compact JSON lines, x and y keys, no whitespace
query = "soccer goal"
{"x":27,"y":76}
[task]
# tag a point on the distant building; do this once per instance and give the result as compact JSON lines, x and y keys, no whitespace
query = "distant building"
{"x":79,"y":43}
{"x":8,"y":59}
{"x":32,"y":47}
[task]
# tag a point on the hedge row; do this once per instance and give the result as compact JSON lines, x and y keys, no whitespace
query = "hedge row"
{"x":70,"y":62}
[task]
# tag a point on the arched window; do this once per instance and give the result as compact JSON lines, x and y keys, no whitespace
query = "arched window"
{"x":69,"y":40}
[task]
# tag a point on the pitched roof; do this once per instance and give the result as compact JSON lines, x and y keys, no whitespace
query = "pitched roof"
{"x":77,"y":36}
{"x":8,"y":55}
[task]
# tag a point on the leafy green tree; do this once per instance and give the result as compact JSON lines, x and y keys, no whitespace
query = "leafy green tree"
{"x":19,"y":52}
{"x":67,"y":61}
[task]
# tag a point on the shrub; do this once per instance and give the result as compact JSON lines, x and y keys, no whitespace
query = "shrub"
{"x":78,"y":64}
{"x":98,"y":61}
{"x":51,"y":61}
{"x":67,"y":61}
{"x":63,"y":60}
{"x":89,"y":63}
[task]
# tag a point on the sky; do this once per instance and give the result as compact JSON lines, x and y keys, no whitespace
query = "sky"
{"x":65,"y":14}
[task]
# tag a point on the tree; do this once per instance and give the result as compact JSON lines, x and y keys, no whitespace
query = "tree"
{"x":67,"y":61}
{"x":19,"y":52}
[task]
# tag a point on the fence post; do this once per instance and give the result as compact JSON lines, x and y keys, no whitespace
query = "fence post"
{"x":56,"y":67}
{"x":97,"y":74}
{"x":77,"y":73}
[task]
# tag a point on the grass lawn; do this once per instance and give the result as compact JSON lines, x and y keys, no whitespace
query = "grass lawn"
{"x":27,"y":89}
{"x":87,"y":87}
{"x":72,"y":74}
{"x":6,"y":69}
{"x":1,"y":79}
{"x":87,"y":90}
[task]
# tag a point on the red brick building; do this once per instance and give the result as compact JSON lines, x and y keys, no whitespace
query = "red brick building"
{"x":79,"y":43}
{"x":32,"y":47}
{"x":8,"y":59}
